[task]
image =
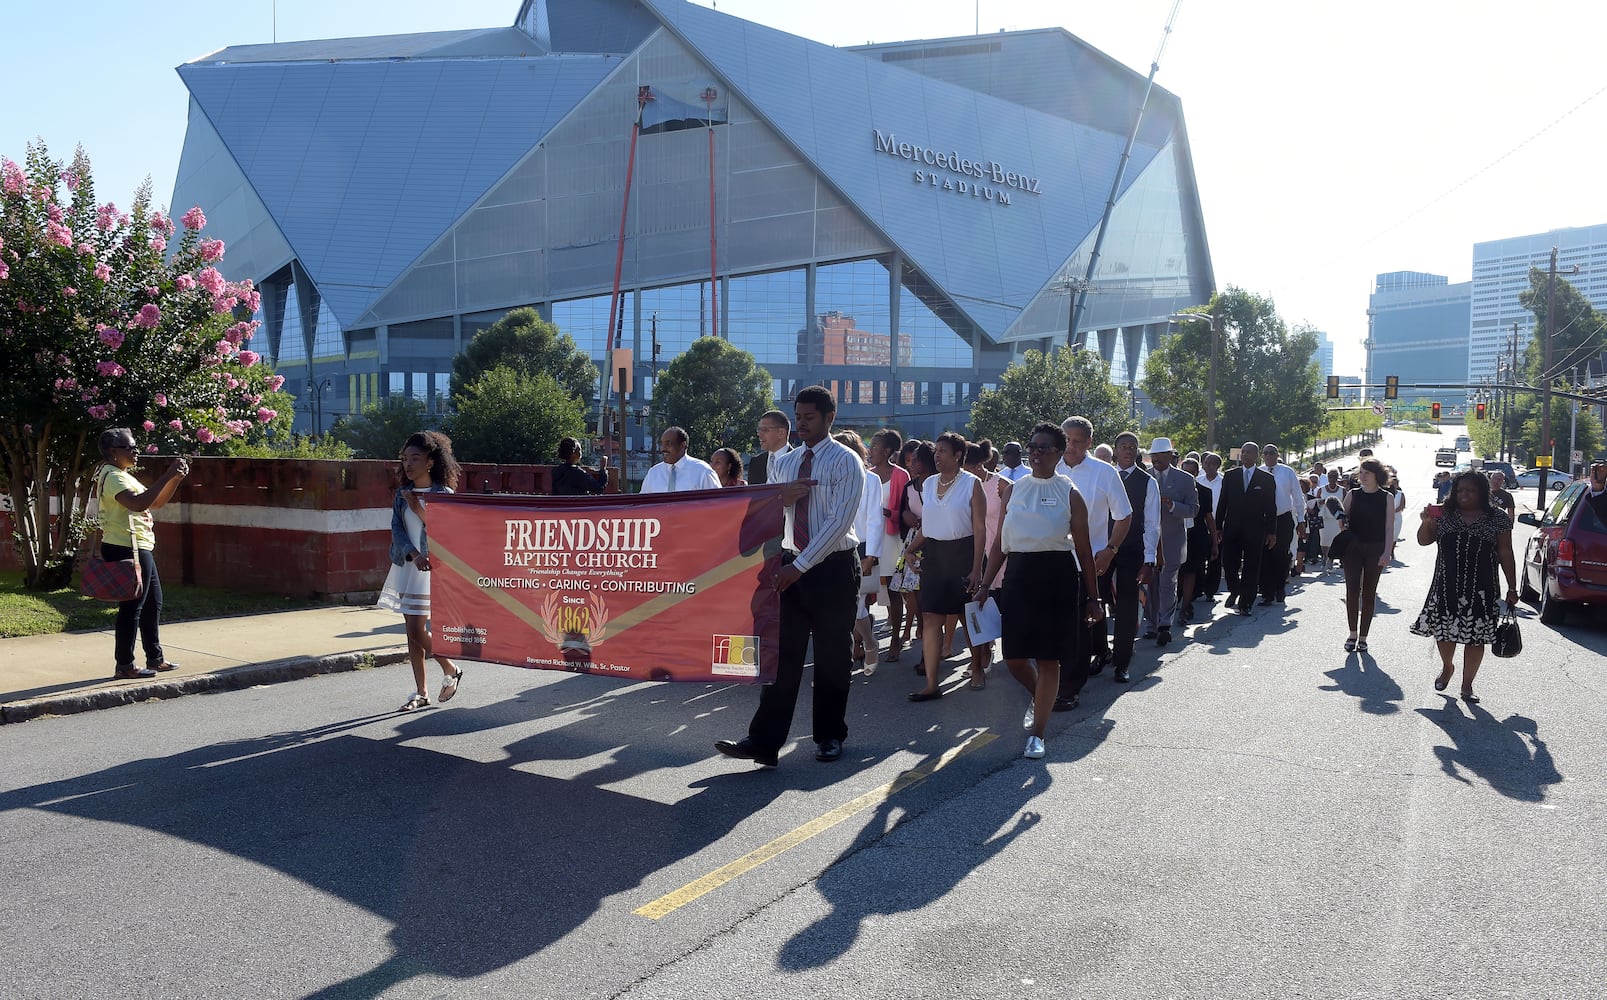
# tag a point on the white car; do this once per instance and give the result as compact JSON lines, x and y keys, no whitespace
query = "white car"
{"x":1529,"y":479}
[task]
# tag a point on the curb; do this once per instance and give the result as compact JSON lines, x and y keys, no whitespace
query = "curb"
{"x":230,"y":679}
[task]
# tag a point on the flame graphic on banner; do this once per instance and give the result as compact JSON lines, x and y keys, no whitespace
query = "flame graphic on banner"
{"x":575,"y":629}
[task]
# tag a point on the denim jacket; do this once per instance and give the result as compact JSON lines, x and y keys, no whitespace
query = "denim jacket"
{"x":402,"y":550}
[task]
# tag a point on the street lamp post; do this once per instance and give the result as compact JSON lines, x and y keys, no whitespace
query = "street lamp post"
{"x":315,"y":391}
{"x":1210,"y":389}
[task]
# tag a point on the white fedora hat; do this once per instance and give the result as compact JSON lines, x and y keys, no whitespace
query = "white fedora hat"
{"x":1160,"y":444}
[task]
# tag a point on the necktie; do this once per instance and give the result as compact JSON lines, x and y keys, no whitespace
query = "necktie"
{"x":672,"y":479}
{"x":800,"y":511}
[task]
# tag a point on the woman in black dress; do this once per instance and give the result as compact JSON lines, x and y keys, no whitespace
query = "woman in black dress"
{"x":1370,"y":513}
{"x":1462,"y":608}
{"x":570,"y":479}
{"x":952,"y":543}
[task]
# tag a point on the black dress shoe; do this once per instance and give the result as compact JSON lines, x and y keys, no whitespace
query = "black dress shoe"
{"x":129,"y":673}
{"x":1121,"y":676}
{"x":1149,"y":633}
{"x":829,"y":750}
{"x":744,"y":749}
{"x":1266,"y":602}
{"x":1243,"y":610}
{"x":1164,"y":637}
{"x":1064,"y":704}
{"x":1232,"y":602}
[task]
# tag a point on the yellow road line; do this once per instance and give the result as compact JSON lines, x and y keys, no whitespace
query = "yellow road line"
{"x":667,"y":904}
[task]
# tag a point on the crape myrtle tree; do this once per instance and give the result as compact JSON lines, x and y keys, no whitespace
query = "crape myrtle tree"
{"x":103,"y":324}
{"x":1266,"y":376}
{"x":1051,"y":387}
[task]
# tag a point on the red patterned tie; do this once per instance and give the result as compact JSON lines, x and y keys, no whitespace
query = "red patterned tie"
{"x":800,"y":511}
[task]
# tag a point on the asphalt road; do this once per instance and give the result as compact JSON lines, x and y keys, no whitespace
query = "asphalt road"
{"x":1257,"y":815}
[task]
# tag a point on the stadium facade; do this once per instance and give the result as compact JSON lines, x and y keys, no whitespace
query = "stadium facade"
{"x":394,"y":195}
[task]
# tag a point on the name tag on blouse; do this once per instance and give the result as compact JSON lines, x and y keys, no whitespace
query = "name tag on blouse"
{"x":1049,"y":501}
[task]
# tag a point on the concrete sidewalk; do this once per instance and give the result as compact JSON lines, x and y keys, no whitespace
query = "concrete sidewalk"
{"x":72,"y":671}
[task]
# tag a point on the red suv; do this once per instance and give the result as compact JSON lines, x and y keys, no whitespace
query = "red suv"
{"x":1565,"y":562}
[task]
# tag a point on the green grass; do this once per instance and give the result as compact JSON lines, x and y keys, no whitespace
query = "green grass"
{"x":32,"y":612}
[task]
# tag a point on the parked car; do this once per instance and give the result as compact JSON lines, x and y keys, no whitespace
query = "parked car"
{"x":1445,"y":456}
{"x":1529,"y":479}
{"x":1565,"y":560}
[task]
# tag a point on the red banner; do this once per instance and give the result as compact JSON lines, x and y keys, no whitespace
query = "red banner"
{"x":662,"y":587}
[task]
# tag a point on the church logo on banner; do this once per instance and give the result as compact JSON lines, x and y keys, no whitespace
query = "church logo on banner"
{"x":736,"y":655}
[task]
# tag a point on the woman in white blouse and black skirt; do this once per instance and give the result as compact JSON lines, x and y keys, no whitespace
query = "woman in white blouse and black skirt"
{"x":1051,"y":589}
{"x":952,"y":542}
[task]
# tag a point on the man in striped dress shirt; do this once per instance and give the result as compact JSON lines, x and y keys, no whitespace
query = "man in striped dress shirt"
{"x":819,"y":583}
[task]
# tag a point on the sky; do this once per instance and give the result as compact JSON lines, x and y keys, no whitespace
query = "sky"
{"x":1332,"y":142}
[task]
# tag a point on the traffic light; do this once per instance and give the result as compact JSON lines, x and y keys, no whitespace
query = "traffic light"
{"x":1434,"y":411}
{"x":1478,"y":411}
{"x":1392,"y":387}
{"x":1333,"y":387}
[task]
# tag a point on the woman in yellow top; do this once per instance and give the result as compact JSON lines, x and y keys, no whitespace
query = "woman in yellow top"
{"x":126,"y":529}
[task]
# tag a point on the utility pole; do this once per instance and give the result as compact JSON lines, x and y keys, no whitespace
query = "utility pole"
{"x":1546,"y":442}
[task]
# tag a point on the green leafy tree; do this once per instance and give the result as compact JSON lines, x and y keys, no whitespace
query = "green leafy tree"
{"x":1266,"y":378}
{"x":1579,"y":334}
{"x":508,"y":416}
{"x":717,"y":392}
{"x":528,"y":344}
{"x":1051,"y":387}
{"x":104,"y":324}
{"x":383,"y":426}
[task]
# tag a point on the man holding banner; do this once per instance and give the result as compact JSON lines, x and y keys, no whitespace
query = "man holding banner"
{"x":819,"y":585}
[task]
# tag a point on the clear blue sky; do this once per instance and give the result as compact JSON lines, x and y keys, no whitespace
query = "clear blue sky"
{"x":1331,"y":141}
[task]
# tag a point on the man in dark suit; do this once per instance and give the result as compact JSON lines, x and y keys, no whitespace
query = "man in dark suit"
{"x":1247,"y":523}
{"x":774,"y":428}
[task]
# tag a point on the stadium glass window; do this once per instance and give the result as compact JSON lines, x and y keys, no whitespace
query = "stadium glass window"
{"x":398,"y":384}
{"x":766,"y":313}
{"x":292,"y":342}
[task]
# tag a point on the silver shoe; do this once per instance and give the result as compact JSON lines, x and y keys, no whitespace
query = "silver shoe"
{"x":1031,"y":716}
{"x":1034,"y":748}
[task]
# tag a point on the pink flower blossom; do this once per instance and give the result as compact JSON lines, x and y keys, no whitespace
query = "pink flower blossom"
{"x":111,"y":369}
{"x":103,"y":273}
{"x":248,"y":358}
{"x":224,"y":304}
{"x":177,"y":425}
{"x":111,"y":337}
{"x":150,"y":449}
{"x":194,"y":218}
{"x":275,"y":383}
{"x":148,"y":316}
{"x":106,"y":217}
{"x":152,"y":292}
{"x":5,"y":270}
{"x":185,"y":283}
{"x":264,"y":414}
{"x":84,"y":249}
{"x":11,"y":177}
{"x":205,"y":435}
{"x":224,"y":348}
{"x":149,"y":425}
{"x":53,"y":213}
{"x":162,"y":224}
{"x":211,"y":249}
{"x":69,"y":291}
{"x":57,"y":233}
{"x":209,"y":279}
{"x":161,"y":399}
{"x":102,"y":412}
{"x":158,"y":244}
{"x":71,"y":180}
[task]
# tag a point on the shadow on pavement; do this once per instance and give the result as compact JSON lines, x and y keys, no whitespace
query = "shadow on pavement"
{"x":475,"y":865}
{"x":1508,"y":754}
{"x":1363,"y":679}
{"x":898,"y":879}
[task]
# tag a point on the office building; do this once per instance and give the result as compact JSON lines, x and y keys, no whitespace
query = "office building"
{"x":1417,"y":327}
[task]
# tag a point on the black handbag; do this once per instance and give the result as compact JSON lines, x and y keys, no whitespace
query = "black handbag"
{"x":1508,"y":640}
{"x":1341,"y":542}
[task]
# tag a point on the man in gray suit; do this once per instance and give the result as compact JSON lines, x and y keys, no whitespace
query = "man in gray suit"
{"x":1180,"y":504}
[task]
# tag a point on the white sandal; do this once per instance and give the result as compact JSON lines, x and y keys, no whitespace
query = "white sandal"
{"x":450,"y":686}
